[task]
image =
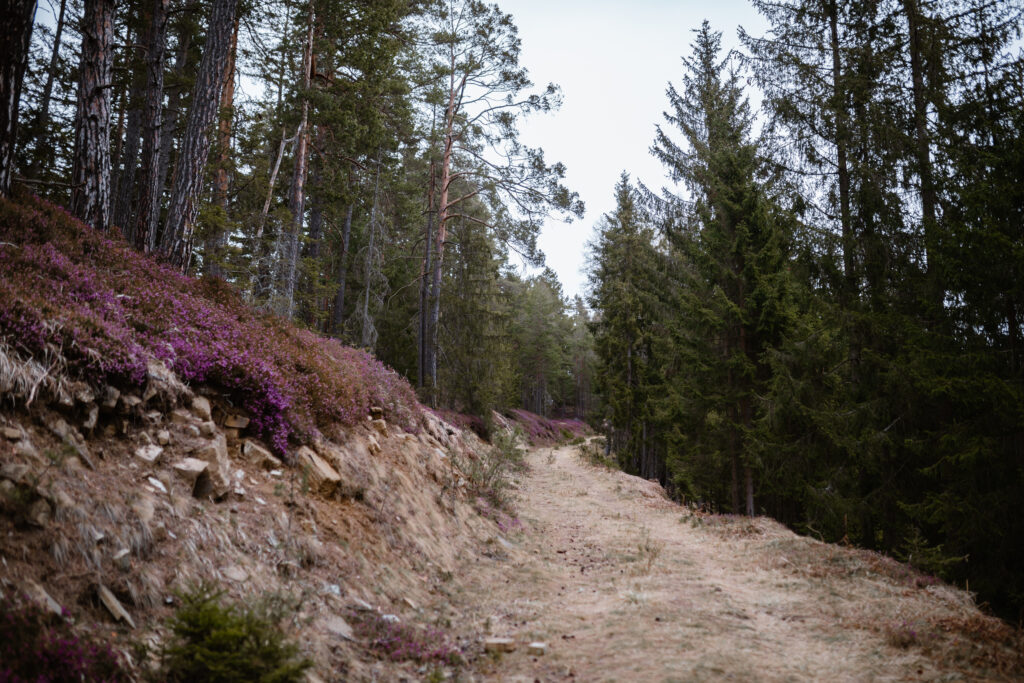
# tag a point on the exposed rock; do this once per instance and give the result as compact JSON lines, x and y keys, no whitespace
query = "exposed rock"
{"x":361,"y":605}
{"x":236,"y":574}
{"x":194,"y":472}
{"x":381,"y":426}
{"x":231,"y":434}
{"x":11,"y":434}
{"x":157,"y":484}
{"x":207,"y":428}
{"x":160,"y":380}
{"x":192,"y":430}
{"x":123,"y":559}
{"x":236,"y":422}
{"x":89,"y":423}
{"x":323,"y":478}
{"x":373,"y":444}
{"x":70,"y":436}
{"x":537,"y":649}
{"x":201,"y":407}
{"x":339,"y":627}
{"x":258,"y":455}
{"x":129,"y":402}
{"x":182,"y":417}
{"x":114,"y":606}
{"x":39,"y":513}
{"x":39,"y":595}
{"x":409,"y":603}
{"x":16,"y":472}
{"x":163,"y":437}
{"x":499,"y":645}
{"x":215,"y":452}
{"x":27,"y":449}
{"x":144,"y":508}
{"x":150,"y":453}
{"x":83,"y":393}
{"x":376,"y":413}
{"x":110,"y":396}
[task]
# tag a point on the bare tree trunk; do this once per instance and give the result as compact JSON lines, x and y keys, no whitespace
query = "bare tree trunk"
{"x":176,"y":244}
{"x":148,"y":208}
{"x":90,"y":172}
{"x":842,"y":142}
{"x":213,"y":247}
{"x":16,"y":33}
{"x":929,"y":200}
{"x":338,"y":319}
{"x":42,"y":155}
{"x":297,"y":200}
{"x":168,"y":128}
{"x":123,"y":206}
{"x":369,"y":334}
{"x":425,"y":271}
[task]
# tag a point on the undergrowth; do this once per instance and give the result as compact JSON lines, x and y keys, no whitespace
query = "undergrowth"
{"x":37,"y":645}
{"x":223,"y":642}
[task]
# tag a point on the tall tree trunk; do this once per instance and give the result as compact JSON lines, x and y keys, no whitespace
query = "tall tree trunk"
{"x":310,"y":283}
{"x":148,"y":208}
{"x":176,"y":244}
{"x":125,"y":189}
{"x":922,"y":139}
{"x":425,"y":271}
{"x":42,"y":155}
{"x":338,"y":319}
{"x":455,"y":90}
{"x":169,"y":127}
{"x":16,"y":32}
{"x":842,"y":150}
{"x":213,"y":247}
{"x":297,"y":200}
{"x":369,"y":334}
{"x":90,"y":171}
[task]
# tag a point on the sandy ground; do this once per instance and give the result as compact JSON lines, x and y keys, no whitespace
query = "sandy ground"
{"x":624,"y":585}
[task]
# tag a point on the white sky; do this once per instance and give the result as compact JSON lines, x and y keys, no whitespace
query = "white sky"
{"x":614,"y":60}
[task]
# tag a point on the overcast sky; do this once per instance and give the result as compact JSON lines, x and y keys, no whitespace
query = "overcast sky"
{"x":614,"y":61}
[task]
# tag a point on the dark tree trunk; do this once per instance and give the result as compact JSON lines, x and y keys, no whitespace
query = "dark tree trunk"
{"x":148,"y":208}
{"x":176,"y":242}
{"x":213,"y":248}
{"x":842,"y":144}
{"x":123,"y":210}
{"x":42,"y":155}
{"x":90,"y":174}
{"x":168,"y":130}
{"x":424,"y":337}
{"x":297,"y":199}
{"x":16,"y":32}
{"x":338,"y":319}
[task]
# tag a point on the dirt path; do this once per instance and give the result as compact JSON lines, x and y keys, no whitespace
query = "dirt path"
{"x":626,"y":586}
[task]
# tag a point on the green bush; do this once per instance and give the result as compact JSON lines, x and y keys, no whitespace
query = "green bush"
{"x":218,"y":642}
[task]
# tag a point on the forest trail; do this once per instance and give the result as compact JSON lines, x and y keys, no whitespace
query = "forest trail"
{"x":625,"y":585}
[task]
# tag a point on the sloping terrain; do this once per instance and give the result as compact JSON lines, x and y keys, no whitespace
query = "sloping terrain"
{"x":624,"y":585}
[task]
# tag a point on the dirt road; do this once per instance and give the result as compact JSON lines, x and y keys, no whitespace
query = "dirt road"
{"x":624,"y":585}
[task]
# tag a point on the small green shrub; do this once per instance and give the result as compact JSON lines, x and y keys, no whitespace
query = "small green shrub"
{"x":489,"y":476}
{"x":214,"y":641}
{"x":38,"y":645}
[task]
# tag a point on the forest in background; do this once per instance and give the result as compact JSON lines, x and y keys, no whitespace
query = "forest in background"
{"x":823,"y":326}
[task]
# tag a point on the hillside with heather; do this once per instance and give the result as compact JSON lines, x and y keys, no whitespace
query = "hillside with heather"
{"x":303,"y":320}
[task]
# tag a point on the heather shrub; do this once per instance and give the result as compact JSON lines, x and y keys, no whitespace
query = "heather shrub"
{"x":38,"y":646}
{"x":542,"y":431}
{"x":106,"y":310}
{"x":399,"y":642}
{"x":217,"y":642}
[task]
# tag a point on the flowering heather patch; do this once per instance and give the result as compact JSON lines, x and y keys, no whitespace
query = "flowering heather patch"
{"x":404,"y":642}
{"x":463,"y":421}
{"x":106,"y":309}
{"x":39,"y":646}
{"x":543,"y":431}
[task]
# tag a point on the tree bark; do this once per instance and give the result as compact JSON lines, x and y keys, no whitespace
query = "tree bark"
{"x":176,"y":244}
{"x":90,"y":174}
{"x":338,"y":319}
{"x":16,"y":33}
{"x":123,"y":214}
{"x":297,"y":200}
{"x":168,"y":128}
{"x":42,"y":155}
{"x":842,"y":142}
{"x":213,"y":247}
{"x":425,"y":272}
{"x":369,"y":335}
{"x":929,"y":200}
{"x":148,"y":207}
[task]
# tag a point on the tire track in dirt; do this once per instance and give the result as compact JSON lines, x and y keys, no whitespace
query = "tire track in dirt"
{"x":625,"y":585}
